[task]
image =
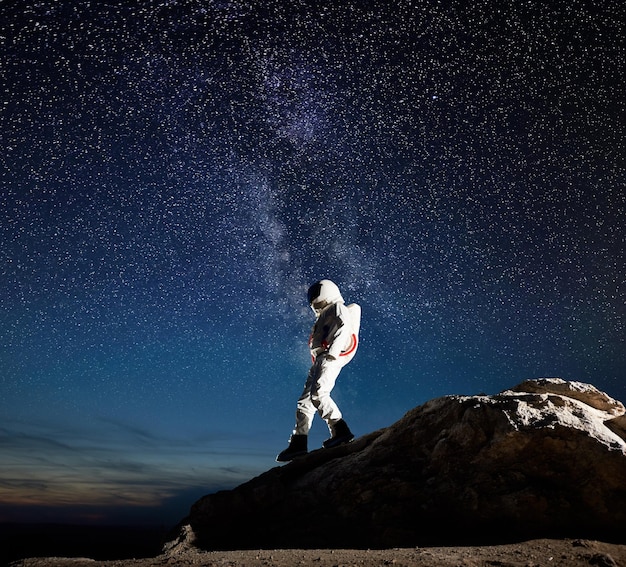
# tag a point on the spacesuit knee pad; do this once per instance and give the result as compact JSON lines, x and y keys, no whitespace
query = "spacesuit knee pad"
{"x":316,"y":400}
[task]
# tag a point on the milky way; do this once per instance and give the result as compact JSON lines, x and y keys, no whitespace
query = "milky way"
{"x":176,"y":173}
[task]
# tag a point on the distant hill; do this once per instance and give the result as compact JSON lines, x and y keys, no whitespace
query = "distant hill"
{"x":18,"y":541}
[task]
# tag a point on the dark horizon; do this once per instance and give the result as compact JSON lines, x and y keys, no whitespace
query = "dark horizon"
{"x":99,"y":542}
{"x":165,"y":515}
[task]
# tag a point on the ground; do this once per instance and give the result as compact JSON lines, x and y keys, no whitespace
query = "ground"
{"x":533,"y":553}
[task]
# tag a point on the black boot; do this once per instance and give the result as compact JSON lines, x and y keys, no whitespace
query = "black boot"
{"x":297,"y":448}
{"x":341,"y":435}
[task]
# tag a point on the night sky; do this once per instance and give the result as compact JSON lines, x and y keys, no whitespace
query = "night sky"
{"x":175,"y":174}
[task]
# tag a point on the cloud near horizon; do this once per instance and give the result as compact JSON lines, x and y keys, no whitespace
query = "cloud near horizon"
{"x":81,"y":474}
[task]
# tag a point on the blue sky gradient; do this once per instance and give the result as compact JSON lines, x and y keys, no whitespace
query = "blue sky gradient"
{"x":175,"y":175}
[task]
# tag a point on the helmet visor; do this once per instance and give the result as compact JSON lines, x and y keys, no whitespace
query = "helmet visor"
{"x":314,"y":292}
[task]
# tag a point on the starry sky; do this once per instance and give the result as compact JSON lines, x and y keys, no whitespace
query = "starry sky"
{"x":174,"y":174}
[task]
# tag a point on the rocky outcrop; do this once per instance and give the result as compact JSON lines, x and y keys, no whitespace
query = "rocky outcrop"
{"x":546,"y":458}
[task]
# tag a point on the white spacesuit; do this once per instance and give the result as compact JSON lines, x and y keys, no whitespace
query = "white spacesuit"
{"x":333,"y":343}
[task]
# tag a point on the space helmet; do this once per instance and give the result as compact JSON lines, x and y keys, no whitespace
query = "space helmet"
{"x":322,"y":294}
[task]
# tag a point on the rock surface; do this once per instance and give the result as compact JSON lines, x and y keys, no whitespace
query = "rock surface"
{"x":533,"y":553}
{"x":544,"y":459}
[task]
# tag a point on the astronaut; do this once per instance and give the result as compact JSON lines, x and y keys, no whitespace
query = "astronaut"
{"x":333,"y":343}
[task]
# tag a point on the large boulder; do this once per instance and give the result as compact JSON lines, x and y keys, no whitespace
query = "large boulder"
{"x":544,"y":459}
